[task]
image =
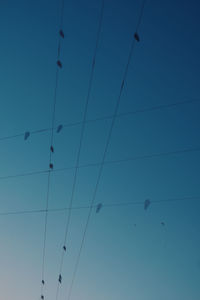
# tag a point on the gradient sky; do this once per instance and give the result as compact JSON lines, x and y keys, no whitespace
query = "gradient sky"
{"x":119,"y":260}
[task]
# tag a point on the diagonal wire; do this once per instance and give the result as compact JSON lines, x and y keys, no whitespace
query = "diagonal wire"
{"x":108,"y":162}
{"x":105,"y":152}
{"x":108,"y":205}
{"x":77,"y":123}
{"x":80,"y":142}
{"x":51,"y":149}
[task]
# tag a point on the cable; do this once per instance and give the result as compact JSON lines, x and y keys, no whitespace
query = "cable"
{"x":136,"y":38}
{"x":138,"y":111}
{"x":142,"y":110}
{"x":123,"y":204}
{"x":83,"y":123}
{"x":24,"y":174}
{"x":108,"y":162}
{"x":51,"y":150}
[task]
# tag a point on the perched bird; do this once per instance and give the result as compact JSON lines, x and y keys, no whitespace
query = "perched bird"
{"x":26,"y":135}
{"x":147,"y":202}
{"x":42,"y":297}
{"x":61,"y":33}
{"x":43,"y":282}
{"x":99,"y":206}
{"x":52,"y":149}
{"x":60,"y":278}
{"x":64,"y":248}
{"x":59,"y":128}
{"x":59,"y":63}
{"x":136,"y":36}
{"x":51,"y":166}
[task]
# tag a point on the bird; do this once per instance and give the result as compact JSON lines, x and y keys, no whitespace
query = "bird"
{"x":43,"y":282}
{"x":59,"y":128}
{"x":147,"y":202}
{"x":60,"y":278}
{"x":61,"y":33}
{"x":64,"y":248}
{"x":51,"y":166}
{"x":136,"y":36}
{"x":26,"y":135}
{"x":99,"y":206}
{"x":52,"y":149}
{"x":59,"y":63}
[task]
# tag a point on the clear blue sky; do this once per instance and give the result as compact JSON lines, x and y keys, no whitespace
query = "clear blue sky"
{"x":127,"y":254}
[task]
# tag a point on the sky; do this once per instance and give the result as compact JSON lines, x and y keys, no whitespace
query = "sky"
{"x":127,"y":253}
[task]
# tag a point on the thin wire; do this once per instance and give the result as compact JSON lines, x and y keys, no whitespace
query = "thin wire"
{"x":50,"y":156}
{"x":24,"y":174}
{"x":188,"y":198}
{"x":37,"y":211}
{"x":108,"y":162}
{"x":48,"y":180}
{"x":45,"y":232}
{"x":62,"y":13}
{"x":138,"y":111}
{"x":120,"y":115}
{"x":104,"y":154}
{"x":84,"y":118}
{"x":140,"y":15}
{"x":103,"y":159}
{"x":81,"y":140}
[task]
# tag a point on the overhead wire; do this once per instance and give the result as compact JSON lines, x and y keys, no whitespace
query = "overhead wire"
{"x":135,"y":39}
{"x":105,"y":205}
{"x":108,"y":162}
{"x":119,"y":115}
{"x":51,"y":149}
{"x":91,"y":77}
{"x":101,"y":164}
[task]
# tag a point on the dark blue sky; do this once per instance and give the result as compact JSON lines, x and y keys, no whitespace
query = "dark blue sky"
{"x":127,"y":254}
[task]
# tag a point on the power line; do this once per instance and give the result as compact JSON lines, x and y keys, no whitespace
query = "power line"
{"x":120,"y":115}
{"x":51,"y":148}
{"x":80,"y":143}
{"x":108,"y":205}
{"x":136,"y":38}
{"x":24,"y":174}
{"x":108,"y":162}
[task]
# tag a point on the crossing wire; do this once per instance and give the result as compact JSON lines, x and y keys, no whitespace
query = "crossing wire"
{"x":108,"y":205}
{"x":108,"y":162}
{"x":80,"y":143}
{"x":105,"y":151}
{"x":120,"y":115}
